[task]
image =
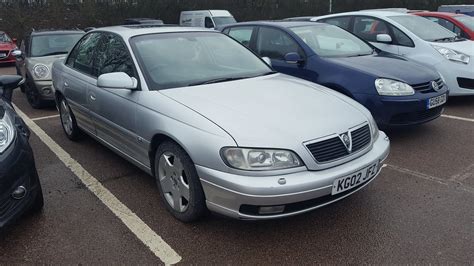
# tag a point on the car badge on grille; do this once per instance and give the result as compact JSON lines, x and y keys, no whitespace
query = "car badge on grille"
{"x":346,"y":139}
{"x":435,"y":85}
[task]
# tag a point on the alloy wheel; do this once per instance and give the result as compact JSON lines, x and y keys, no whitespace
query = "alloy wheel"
{"x":174,"y":182}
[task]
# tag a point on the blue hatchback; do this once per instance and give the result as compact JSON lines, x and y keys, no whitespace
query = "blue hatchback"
{"x":398,"y":92}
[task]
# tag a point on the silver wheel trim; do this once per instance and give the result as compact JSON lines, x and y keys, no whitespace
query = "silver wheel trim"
{"x":66,"y":118}
{"x":174,"y":182}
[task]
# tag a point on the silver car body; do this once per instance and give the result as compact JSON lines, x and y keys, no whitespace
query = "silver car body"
{"x":203,"y":119}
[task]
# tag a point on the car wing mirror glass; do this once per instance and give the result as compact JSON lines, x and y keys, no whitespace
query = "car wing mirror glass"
{"x":384,"y":38}
{"x":293,"y":58}
{"x":117,"y":80}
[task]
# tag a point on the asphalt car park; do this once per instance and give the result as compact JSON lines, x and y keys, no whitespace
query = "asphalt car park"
{"x":418,"y":210}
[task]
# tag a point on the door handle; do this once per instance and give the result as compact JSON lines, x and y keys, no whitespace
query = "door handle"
{"x":92,"y":97}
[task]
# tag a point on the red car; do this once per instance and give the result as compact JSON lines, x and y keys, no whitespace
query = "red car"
{"x":460,"y":24}
{"x":7,"y":45}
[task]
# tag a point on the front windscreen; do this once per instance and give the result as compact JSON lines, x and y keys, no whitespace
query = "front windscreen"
{"x":424,"y":28}
{"x":221,"y":21}
{"x":467,"y":21}
{"x":4,"y":38}
{"x":171,"y":60}
{"x":332,"y":41}
{"x":53,"y":44}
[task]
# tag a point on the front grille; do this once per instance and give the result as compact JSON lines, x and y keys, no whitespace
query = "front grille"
{"x":466,"y":83}
{"x":333,"y":149}
{"x":415,"y":117}
{"x":426,"y":87}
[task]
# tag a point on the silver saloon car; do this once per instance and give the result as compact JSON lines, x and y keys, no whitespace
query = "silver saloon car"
{"x":214,"y":124}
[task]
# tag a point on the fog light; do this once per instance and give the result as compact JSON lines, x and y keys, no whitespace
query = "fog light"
{"x":19,"y":193}
{"x":47,"y":91}
{"x":271,"y":209}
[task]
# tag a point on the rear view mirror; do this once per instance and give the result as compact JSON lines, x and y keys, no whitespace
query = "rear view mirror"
{"x":384,"y":38}
{"x":267,"y":60}
{"x":8,"y":83}
{"x":117,"y":80}
{"x":293,"y":58}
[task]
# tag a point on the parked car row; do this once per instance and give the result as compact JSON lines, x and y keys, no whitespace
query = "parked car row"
{"x":208,"y":116}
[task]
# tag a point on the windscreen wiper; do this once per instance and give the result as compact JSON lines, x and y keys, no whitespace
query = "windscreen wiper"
{"x":54,"y":53}
{"x":219,"y":80}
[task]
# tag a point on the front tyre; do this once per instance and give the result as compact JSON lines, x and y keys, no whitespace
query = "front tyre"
{"x":68,"y":121}
{"x":179,"y":183}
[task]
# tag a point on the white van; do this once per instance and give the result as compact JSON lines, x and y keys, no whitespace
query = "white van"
{"x":460,"y":9}
{"x":206,"y":18}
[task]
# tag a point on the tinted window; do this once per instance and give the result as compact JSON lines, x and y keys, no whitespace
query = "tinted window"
{"x":82,"y":57}
{"x":208,"y":23}
{"x":242,"y":34}
{"x":275,"y":44}
{"x":368,"y":28}
{"x":112,"y":56}
{"x":45,"y":45}
{"x":331,"y":41}
{"x":401,"y":38}
{"x":342,"y":22}
{"x":171,"y":60}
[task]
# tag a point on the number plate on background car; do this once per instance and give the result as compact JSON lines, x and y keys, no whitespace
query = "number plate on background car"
{"x":3,"y":55}
{"x":437,"y":101}
{"x":347,"y":182}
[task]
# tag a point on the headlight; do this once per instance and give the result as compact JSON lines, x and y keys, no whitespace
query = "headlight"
{"x":40,"y":71}
{"x":260,"y":159}
{"x":453,"y":55}
{"x":388,"y":87}
{"x":374,"y":128}
{"x":7,"y":132}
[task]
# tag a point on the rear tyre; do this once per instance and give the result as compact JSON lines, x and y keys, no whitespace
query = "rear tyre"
{"x":68,"y":121}
{"x":178,"y":183}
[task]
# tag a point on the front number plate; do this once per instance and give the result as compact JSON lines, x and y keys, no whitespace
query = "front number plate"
{"x":437,"y":101}
{"x":3,"y":55}
{"x":346,"y":183}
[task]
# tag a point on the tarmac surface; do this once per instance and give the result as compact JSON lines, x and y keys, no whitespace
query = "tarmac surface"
{"x":420,"y":209}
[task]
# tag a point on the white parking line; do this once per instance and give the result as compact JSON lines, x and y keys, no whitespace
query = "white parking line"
{"x":44,"y":117}
{"x":458,"y":118}
{"x":141,"y":230}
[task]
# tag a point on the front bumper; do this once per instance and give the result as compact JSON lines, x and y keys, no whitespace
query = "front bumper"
{"x":44,"y":88}
{"x":230,"y":194}
{"x":8,"y":59}
{"x":453,"y":72}
{"x":402,"y":111}
{"x":17,"y":168}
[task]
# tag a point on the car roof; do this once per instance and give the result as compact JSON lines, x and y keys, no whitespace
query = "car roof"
{"x":279,"y":23}
{"x":374,"y":13}
{"x":128,"y":31}
{"x":53,"y":32}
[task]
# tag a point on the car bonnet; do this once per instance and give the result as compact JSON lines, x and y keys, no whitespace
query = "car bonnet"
{"x":272,"y":111}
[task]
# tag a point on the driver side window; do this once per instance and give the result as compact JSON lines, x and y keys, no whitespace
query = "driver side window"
{"x":112,"y":56}
{"x":368,"y":28}
{"x":83,"y":55}
{"x":275,"y":44}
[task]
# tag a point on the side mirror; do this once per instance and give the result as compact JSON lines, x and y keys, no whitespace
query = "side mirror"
{"x":267,"y":60}
{"x":384,"y":38}
{"x":8,"y":83}
{"x":293,"y":58}
{"x":117,"y":80}
{"x":17,"y":53}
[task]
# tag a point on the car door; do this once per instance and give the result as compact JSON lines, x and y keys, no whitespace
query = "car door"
{"x":274,"y":43}
{"x":79,"y":78}
{"x":114,"y":110}
{"x":367,"y":28}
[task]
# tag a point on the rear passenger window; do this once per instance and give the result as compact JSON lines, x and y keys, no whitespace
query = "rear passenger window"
{"x":368,"y":28}
{"x":208,"y":23}
{"x":112,"y":56}
{"x":82,"y":56}
{"x":275,"y":44}
{"x":342,"y":22}
{"x":242,"y":34}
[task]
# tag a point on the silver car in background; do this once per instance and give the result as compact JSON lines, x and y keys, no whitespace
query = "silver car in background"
{"x":214,"y":124}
